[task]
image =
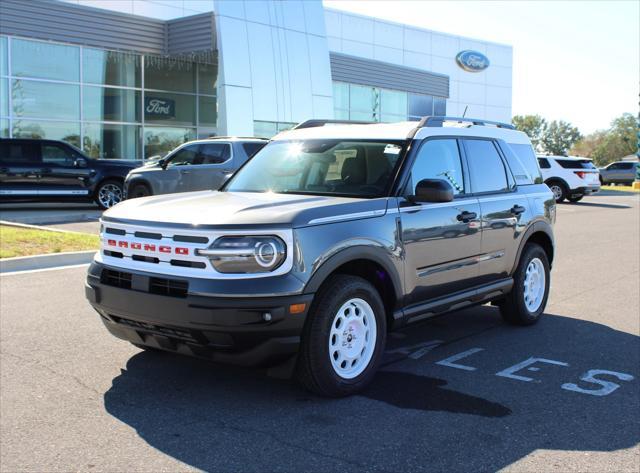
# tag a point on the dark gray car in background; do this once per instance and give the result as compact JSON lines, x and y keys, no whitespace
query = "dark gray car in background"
{"x":620,"y":172}
{"x":193,"y":166}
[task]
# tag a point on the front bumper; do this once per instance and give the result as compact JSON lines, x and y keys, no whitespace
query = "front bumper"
{"x":149,"y":309}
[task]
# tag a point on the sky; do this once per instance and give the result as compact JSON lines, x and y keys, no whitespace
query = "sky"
{"x":577,"y":61}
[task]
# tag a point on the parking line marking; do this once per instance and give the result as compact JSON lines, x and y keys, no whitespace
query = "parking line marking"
{"x":450,"y":361}
{"x":55,"y":268}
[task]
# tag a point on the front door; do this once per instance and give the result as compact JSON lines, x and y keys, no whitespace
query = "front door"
{"x":503,"y":209}
{"x":64,"y":172}
{"x":441,"y":240}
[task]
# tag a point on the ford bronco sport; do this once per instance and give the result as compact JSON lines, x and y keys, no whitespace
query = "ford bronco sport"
{"x":328,"y":238}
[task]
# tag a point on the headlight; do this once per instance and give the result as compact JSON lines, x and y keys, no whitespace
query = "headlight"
{"x":246,"y":254}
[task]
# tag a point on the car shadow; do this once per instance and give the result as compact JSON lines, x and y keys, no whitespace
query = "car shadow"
{"x":416,"y":415}
{"x":598,"y":204}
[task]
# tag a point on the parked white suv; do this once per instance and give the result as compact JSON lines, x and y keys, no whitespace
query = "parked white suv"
{"x":569,"y":177}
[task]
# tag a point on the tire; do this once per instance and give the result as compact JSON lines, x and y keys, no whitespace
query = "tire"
{"x":516,"y":308}
{"x":602,"y":183}
{"x":559,"y":190}
{"x":335,"y":362}
{"x":109,"y":193}
{"x":575,"y":198}
{"x":139,"y":190}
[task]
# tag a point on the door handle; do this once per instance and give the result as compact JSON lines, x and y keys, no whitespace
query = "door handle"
{"x":46,"y":171}
{"x":465,"y":216}
{"x":517,"y":209}
{"x":185,"y":172}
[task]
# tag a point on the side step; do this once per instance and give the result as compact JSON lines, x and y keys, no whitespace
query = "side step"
{"x":456,"y":301}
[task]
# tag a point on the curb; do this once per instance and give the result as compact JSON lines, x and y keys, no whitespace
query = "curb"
{"x":52,"y":219}
{"x":8,"y":223}
{"x":27,"y":263}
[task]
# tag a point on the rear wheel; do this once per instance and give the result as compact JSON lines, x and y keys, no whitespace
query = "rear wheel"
{"x":528,"y":298}
{"x":559,"y":190}
{"x":344,"y":338}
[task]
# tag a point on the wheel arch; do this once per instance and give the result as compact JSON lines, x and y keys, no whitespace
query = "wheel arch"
{"x":371,"y":264}
{"x":541,"y":233}
{"x":141,"y":181}
{"x":558,"y":180}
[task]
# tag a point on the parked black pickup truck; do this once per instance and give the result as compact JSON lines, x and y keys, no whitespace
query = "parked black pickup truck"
{"x":55,"y":171}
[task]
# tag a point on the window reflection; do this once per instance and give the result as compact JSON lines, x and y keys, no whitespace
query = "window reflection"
{"x":111,"y":68}
{"x":111,"y":141}
{"x":63,"y":131}
{"x":4,"y":69}
{"x":158,"y":141}
{"x":164,"y":73}
{"x":45,"y":99}
{"x":105,"y":103}
{"x":45,"y":60}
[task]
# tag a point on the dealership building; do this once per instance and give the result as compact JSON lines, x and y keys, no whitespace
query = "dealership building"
{"x":135,"y":78}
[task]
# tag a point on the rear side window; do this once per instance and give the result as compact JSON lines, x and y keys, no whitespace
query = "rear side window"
{"x":544,"y":163}
{"x":487,"y":170}
{"x":523,"y":163}
{"x":17,"y":152}
{"x":252,"y":148}
{"x":575,"y":164}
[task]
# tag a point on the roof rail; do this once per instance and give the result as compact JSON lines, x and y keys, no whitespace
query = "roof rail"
{"x":433,"y":121}
{"x":313,"y":123}
{"x":211,"y":137}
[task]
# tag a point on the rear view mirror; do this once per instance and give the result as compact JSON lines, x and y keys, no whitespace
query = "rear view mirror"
{"x":433,"y":190}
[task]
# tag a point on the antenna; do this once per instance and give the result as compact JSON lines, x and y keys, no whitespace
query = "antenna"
{"x":466,"y":107}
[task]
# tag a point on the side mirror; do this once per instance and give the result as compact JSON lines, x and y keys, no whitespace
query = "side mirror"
{"x":163,"y":163}
{"x":433,"y":190}
{"x":79,"y":163}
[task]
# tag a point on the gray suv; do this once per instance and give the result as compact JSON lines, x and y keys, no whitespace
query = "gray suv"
{"x":620,"y":172}
{"x":326,"y":240}
{"x":196,"y":165}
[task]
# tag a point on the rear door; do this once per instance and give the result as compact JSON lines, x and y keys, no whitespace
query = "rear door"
{"x":19,"y":168}
{"x":213,"y":161}
{"x":64,"y":172}
{"x":503,"y":209}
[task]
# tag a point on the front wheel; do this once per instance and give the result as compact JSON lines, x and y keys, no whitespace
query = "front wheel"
{"x":528,"y":298}
{"x":344,"y":338}
{"x":109,"y":193}
{"x":139,"y":190}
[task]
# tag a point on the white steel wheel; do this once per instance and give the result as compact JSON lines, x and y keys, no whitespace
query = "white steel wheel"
{"x":535,"y":282}
{"x":109,"y":195}
{"x":352,"y":339}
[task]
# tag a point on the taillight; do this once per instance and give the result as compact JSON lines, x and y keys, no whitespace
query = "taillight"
{"x":581,"y":174}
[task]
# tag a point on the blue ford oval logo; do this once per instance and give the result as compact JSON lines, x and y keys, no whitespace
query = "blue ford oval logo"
{"x":472,"y":61}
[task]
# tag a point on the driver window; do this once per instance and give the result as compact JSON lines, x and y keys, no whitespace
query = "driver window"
{"x":438,"y":159}
{"x":57,"y":154}
{"x":184,"y":156}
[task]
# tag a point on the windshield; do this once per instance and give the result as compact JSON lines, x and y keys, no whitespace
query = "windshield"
{"x":348,"y":168}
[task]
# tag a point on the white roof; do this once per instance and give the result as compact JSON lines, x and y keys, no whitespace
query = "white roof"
{"x":566,"y":158}
{"x":400,"y":131}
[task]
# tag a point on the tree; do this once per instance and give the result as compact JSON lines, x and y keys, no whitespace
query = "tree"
{"x":558,"y":137}
{"x":533,"y":125}
{"x":606,"y":146}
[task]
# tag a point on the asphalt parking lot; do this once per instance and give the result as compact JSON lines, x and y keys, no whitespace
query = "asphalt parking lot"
{"x":462,"y":392}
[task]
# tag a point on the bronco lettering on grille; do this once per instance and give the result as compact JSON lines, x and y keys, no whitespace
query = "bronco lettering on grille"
{"x":178,"y":250}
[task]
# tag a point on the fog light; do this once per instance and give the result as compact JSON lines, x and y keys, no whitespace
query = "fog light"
{"x":266,"y":317}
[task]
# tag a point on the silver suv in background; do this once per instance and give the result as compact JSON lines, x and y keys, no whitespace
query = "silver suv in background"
{"x":621,"y":172}
{"x":193,"y":166}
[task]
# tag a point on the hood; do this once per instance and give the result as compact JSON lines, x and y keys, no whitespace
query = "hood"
{"x":213,"y":209}
{"x":129,"y":163}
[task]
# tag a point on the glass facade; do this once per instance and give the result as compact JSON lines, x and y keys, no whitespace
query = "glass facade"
{"x":374,"y":104}
{"x":263,"y":129}
{"x":112,"y":104}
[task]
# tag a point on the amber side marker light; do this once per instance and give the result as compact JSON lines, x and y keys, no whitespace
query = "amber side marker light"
{"x":297,"y":308}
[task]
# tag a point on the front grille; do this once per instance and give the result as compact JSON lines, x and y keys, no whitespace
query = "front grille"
{"x":168,"y":287}
{"x":158,"y":329}
{"x":187,"y":264}
{"x":146,"y":259}
{"x":148,"y":235}
{"x":114,"y":278}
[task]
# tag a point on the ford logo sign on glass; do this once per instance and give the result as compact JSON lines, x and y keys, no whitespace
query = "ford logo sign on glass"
{"x":472,"y":61}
